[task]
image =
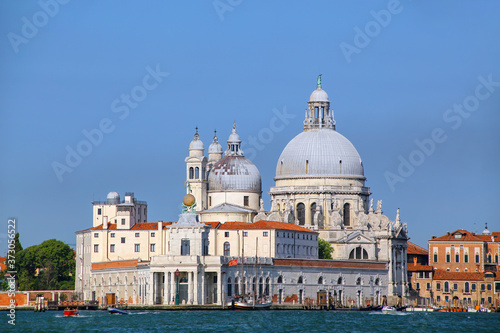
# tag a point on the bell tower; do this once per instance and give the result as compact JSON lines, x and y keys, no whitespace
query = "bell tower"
{"x":196,"y":172}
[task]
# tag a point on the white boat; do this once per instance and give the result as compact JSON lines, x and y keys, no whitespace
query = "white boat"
{"x":388,"y":309}
{"x":419,"y":309}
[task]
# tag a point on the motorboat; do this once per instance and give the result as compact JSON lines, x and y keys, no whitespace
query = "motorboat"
{"x":249,"y":304}
{"x":388,"y":309}
{"x":70,"y":312}
{"x":112,"y":310}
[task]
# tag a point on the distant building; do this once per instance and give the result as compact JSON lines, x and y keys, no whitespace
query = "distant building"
{"x":462,"y":272}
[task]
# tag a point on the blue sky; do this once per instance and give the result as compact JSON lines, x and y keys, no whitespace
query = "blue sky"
{"x":396,"y":73}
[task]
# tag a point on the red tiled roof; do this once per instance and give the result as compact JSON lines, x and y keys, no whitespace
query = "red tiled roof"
{"x":149,"y":225}
{"x":467,"y":236}
{"x":115,"y":264}
{"x":418,"y":267}
{"x":415,"y":249}
{"x":2,"y":263}
{"x":212,"y":225}
{"x":263,"y":225}
{"x":460,"y":276}
{"x":330,"y":263}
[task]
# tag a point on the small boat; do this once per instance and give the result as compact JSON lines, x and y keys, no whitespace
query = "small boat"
{"x":112,"y":310}
{"x":388,"y":310}
{"x":70,"y":312}
{"x":249,"y":305}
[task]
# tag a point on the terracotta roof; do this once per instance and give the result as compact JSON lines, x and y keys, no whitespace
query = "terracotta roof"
{"x":212,"y":225}
{"x":418,"y":267}
{"x":415,"y":249}
{"x":2,"y":263}
{"x":117,"y":264}
{"x":460,"y":276}
{"x":263,"y":225}
{"x":467,"y":236}
{"x":149,"y":225}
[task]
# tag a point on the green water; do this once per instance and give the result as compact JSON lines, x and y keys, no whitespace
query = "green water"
{"x":247,"y":321}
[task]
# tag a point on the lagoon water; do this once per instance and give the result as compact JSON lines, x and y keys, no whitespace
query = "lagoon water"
{"x":248,"y":321}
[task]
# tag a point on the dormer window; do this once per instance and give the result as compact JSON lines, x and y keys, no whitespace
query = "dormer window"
{"x":458,"y":236}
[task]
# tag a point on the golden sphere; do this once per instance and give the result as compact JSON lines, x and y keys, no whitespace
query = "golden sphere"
{"x":188,"y":200}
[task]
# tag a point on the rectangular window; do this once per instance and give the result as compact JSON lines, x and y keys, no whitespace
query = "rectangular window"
{"x":112,"y":248}
{"x":185,"y":247}
{"x":418,"y":286}
{"x":96,"y":234}
{"x":123,"y":240}
{"x":428,"y":286}
{"x":96,"y":248}
{"x":438,"y":298}
{"x":455,"y":286}
{"x":136,"y":234}
{"x":438,"y":286}
{"x":245,"y":233}
{"x":457,"y":257}
{"x":99,"y":211}
{"x":477,"y":258}
{"x":265,"y":233}
{"x":466,"y":258}
{"x":448,"y":257}
{"x":123,"y":221}
{"x":152,"y":234}
{"x":226,"y":234}
{"x":153,"y":247}
{"x":489,"y":299}
{"x":245,"y":201}
{"x":482,"y":287}
{"x":137,"y":247}
{"x":112,"y":235}
{"x":488,"y":286}
{"x":473,"y":287}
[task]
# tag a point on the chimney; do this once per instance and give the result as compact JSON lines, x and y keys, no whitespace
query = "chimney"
{"x":160,"y":226}
{"x":105,"y":222}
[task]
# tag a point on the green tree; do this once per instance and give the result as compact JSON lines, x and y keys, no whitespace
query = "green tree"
{"x":47,"y":266}
{"x":324,"y":249}
{"x":17,"y":249}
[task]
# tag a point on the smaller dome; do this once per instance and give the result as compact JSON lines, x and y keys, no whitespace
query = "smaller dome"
{"x":319,"y":95}
{"x":486,"y":231}
{"x":113,"y":198}
{"x":196,"y":144}
{"x":215,"y":146}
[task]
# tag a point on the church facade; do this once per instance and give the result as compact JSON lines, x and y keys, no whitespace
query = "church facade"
{"x":319,"y":192}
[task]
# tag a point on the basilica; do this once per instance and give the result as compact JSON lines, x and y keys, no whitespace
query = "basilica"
{"x":216,"y":245}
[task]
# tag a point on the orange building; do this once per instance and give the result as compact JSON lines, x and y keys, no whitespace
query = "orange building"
{"x":462,"y":270}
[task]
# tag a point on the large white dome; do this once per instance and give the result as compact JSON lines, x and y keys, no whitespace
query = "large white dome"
{"x":234,"y":173}
{"x":320,"y":152}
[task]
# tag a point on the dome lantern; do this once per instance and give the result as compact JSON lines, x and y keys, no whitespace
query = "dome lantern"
{"x":196,"y":147}
{"x":319,"y":114}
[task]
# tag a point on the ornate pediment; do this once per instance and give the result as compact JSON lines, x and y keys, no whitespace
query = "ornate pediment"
{"x":357,"y":237}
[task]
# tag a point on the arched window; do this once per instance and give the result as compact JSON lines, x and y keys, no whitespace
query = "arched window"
{"x":191,"y":173}
{"x":229,"y":288}
{"x":300,"y":280}
{"x":261,"y":286}
{"x":446,"y":287}
{"x":236,"y":286}
{"x":347,"y":214}
{"x":313,"y":210}
{"x":358,"y":281}
{"x":280,"y":279}
{"x":320,"y":280}
{"x":197,"y":173}
{"x":489,"y":258}
{"x":227,"y":249}
{"x":268,"y":282}
{"x":339,"y":281}
{"x":466,"y":287}
{"x":301,"y":213}
{"x":377,"y":281}
{"x":358,"y":253}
